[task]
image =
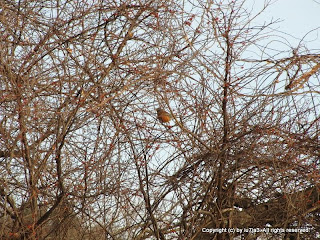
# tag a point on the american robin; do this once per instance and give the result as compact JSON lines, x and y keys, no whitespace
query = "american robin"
{"x":163,"y":116}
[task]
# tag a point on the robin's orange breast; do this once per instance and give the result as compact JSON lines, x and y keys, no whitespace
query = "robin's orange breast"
{"x":164,"y":118}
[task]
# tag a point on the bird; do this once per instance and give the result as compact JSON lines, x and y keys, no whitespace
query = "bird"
{"x":163,"y":116}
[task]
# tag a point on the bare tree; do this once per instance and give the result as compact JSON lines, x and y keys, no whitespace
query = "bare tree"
{"x":83,"y":155}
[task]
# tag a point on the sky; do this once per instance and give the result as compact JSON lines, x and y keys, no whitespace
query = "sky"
{"x":298,"y":18}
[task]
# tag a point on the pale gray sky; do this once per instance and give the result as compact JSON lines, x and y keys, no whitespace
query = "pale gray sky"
{"x":298,"y":18}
